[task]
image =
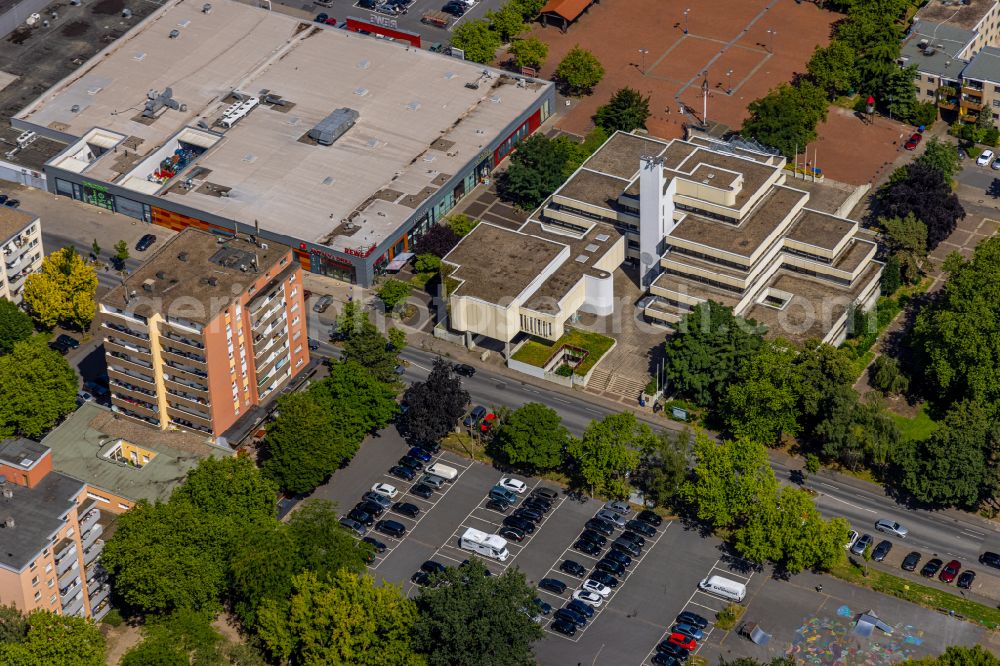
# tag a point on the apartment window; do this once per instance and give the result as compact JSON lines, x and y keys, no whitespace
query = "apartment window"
{"x":69,"y":532}
{"x":930,"y":79}
{"x":298,"y":350}
{"x":51,"y":583}
{"x":916,"y":77}
{"x":298,"y":334}
{"x":295,"y":321}
{"x":996,"y":89}
{"x":299,"y":362}
{"x":996,"y":102}
{"x":52,"y":599}
{"x":38,"y":596}
{"x":284,"y":260}
{"x":48,"y":568}
{"x":34,"y":581}
{"x":33,"y":565}
{"x":995,"y":116}
{"x":295,"y":308}
{"x":294,"y":292}
{"x":291,"y":279}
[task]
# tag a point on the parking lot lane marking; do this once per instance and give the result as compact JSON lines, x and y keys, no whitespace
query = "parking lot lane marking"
{"x":730,"y":573}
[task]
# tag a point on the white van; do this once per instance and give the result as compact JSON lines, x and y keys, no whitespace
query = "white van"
{"x":492,"y":546}
{"x":725,"y":588}
{"x":445,"y":472}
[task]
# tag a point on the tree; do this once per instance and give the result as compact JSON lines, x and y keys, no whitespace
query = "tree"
{"x":37,"y":388}
{"x":532,"y":438}
{"x":892,"y":276}
{"x":121,"y":254}
{"x":462,"y":224}
{"x":507,"y":22}
{"x":434,"y":406}
{"x":959,"y":655}
{"x":954,"y":336}
{"x":608,"y":453}
{"x":166,"y":556}
{"x":321,"y":544}
{"x":729,"y":480}
{"x":529,"y":52}
{"x":529,"y":8}
{"x":940,"y":156}
{"x":854,"y":432}
{"x":62,"y":292}
{"x":536,"y":170}
{"x":822,"y":370}
{"x":786,"y":117}
{"x":477,"y":40}
{"x":703,"y":354}
{"x":397,"y":340}
{"x":907,"y":240}
{"x":925,"y":193}
{"x":256,"y":574}
{"x":303,"y":444}
{"x":56,"y":640}
{"x":663,"y":466}
{"x":471,"y":618}
{"x":898,"y":94}
{"x":393,"y":292}
{"x":832,"y":68}
{"x":439,"y":241}
{"x":345,"y":619}
{"x":886,"y":377}
{"x":185,"y":633}
{"x":230,"y":488}
{"x":953,"y":467}
{"x":579,"y":70}
{"x":626,"y":110}
{"x":95,"y":250}
{"x":13,"y":625}
{"x":427,"y":263}
{"x":577,"y":152}
{"x":367,"y":347}
{"x":15,"y":326}
{"x":762,"y":402}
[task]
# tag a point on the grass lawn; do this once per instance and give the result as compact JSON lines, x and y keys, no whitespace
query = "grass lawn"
{"x":922,"y":595}
{"x":536,"y":351}
{"x":917,"y":428}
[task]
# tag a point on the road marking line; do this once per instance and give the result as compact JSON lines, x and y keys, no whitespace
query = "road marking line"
{"x":837,"y":499}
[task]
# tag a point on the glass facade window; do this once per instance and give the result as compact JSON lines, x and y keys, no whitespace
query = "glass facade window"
{"x":64,"y":187}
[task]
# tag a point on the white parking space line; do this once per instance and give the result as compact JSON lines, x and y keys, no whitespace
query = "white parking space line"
{"x":718,"y":604}
{"x":576,"y":556}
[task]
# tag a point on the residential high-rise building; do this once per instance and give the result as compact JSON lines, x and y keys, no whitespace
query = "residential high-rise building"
{"x":51,"y":534}
{"x":21,"y":241}
{"x":208,"y":328}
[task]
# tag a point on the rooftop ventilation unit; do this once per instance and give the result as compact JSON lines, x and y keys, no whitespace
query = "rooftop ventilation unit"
{"x":333,"y":126}
{"x":155,"y":101}
{"x":236,"y":112}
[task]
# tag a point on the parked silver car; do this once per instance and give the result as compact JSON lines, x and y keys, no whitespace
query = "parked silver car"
{"x":613,"y":517}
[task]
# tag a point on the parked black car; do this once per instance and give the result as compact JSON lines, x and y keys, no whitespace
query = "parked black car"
{"x":573,"y":568}
{"x":604,"y":578}
{"x":648,"y":516}
{"x":675,"y":651}
{"x":587,"y":547}
{"x":931,"y":568}
{"x":145,"y":242}
{"x":564,"y":627}
{"x":64,"y":343}
{"x":373,"y":508}
{"x":463,"y":369}
{"x":966,"y":579}
{"x":571,"y":615}
{"x":391,"y":527}
{"x":422,"y":490}
{"x":640,"y":527}
{"x":525,"y":526}
{"x":498,"y":505}
{"x":611,"y":567}
{"x":511,"y":533}
{"x":529,"y":514}
{"x":990,"y":559}
{"x":687,"y":617}
{"x":401,"y":472}
{"x":583,"y":609}
{"x":619,"y":557}
{"x":432,"y":567}
{"x":406,"y":509}
{"x":910,"y":561}
{"x":538,"y":504}
{"x":881,"y":550}
{"x":412,"y":463}
{"x":362,"y":517}
{"x":546,"y":494}
{"x":594,"y":537}
{"x":601,"y":525}
{"x":375,"y":543}
{"x":633,"y":537}
{"x":553,"y":585}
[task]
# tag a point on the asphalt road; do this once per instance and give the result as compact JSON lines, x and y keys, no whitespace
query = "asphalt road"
{"x":106,"y":280}
{"x":862,"y":504}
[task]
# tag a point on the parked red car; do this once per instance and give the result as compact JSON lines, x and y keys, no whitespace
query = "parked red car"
{"x":683,"y":641}
{"x":488,"y":422}
{"x":950,"y":571}
{"x":914,"y":141}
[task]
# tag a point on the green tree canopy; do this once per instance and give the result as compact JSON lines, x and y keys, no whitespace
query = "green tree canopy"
{"x":907,"y":240}
{"x":56,"y":640}
{"x":579,"y":70}
{"x":15,"y":326}
{"x":706,"y":350}
{"x":954,"y":466}
{"x":434,"y":406}
{"x":62,"y":292}
{"x":959,"y":655}
{"x":822,"y":370}
{"x":365,"y":344}
{"x":832,"y":68}
{"x":477,"y":40}
{"x":762,"y":401}
{"x":471,"y":618}
{"x":427,"y":263}
{"x":37,"y":388}
{"x":855,"y":432}
{"x":321,"y":544}
{"x":786,"y":117}
{"x":303,"y":444}
{"x":462,"y":224}
{"x":532,"y":438}
{"x":529,"y":52}
{"x":230,"y":488}
{"x":13,"y":625}
{"x":393,"y":292}
{"x":608,"y":453}
{"x":536,"y":169}
{"x":627,"y":110}
{"x":345,"y":619}
{"x":926,"y":194}
{"x":507,"y":21}
{"x":663,"y":466}
{"x":954,"y":336}
{"x":940,"y":155}
{"x":358,"y":402}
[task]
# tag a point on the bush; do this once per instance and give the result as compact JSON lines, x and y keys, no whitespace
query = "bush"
{"x":886,"y":377}
{"x":727,"y":618}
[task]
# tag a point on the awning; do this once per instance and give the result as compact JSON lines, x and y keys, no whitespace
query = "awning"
{"x":567,"y":9}
{"x":400,"y":261}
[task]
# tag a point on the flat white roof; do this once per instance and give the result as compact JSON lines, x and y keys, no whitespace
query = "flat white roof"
{"x":419,"y":122}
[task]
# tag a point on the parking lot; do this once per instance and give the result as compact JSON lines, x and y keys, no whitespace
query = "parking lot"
{"x":658,"y":585}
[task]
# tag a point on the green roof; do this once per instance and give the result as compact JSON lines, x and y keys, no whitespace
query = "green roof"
{"x":81,"y":443}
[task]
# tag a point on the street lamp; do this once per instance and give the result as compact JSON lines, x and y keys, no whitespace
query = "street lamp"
{"x":643,"y":52}
{"x":729,"y":91}
{"x":771,"y":32}
{"x":686,"y":20}
{"x":890,"y":108}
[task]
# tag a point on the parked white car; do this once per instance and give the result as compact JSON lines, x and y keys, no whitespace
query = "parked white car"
{"x":385,"y":489}
{"x":985,"y":158}
{"x":589,"y":598}
{"x":592,"y":585}
{"x":852,"y":537}
{"x":513,"y":485}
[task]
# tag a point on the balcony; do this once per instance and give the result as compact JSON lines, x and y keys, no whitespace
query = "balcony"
{"x":70,"y":571}
{"x":74,"y":605}
{"x":90,"y":554}
{"x":66,"y":559}
{"x":89,"y":519}
{"x":181,"y":355}
{"x":125,"y":411}
{"x":187,"y":384}
{"x":948,"y":104}
{"x":180,"y":339}
{"x":130,"y":389}
{"x":269,"y":315}
{"x":184,"y":395}
{"x":125,"y":358}
{"x":101,"y":610}
{"x":124,"y":346}
{"x":70,"y":590}
{"x":256,"y":305}
{"x":185,"y":325}
{"x":125,"y":330}
{"x":90,"y":536}
{"x":64,"y":548}
{"x":133,"y":401}
{"x":191,"y":370}
{"x":261,"y":346}
{"x":100,"y":594}
{"x":972,"y":103}
{"x":133,"y":319}
{"x":184,"y":423}
{"x":94,"y":571}
{"x":199,"y":418}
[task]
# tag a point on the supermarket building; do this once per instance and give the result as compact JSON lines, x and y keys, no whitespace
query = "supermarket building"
{"x":227,"y":117}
